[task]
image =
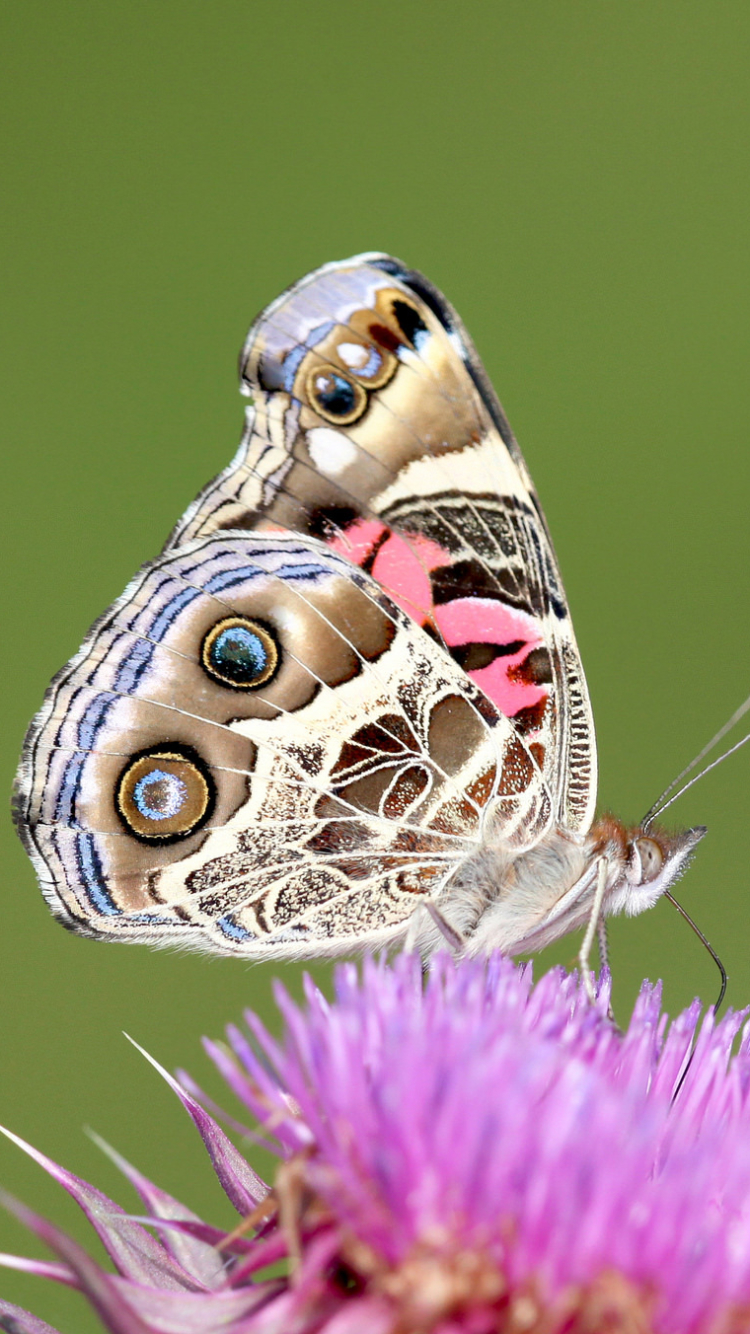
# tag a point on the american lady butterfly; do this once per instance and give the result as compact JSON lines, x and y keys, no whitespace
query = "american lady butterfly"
{"x":344,"y":707}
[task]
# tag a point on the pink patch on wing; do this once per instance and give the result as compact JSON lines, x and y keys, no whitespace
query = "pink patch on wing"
{"x":401,"y":566}
{"x":358,"y":541}
{"x":486,"y":621}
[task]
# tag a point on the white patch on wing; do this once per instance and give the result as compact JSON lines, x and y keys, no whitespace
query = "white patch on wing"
{"x":331,"y":451}
{"x":476,"y":468}
{"x":353,"y":355}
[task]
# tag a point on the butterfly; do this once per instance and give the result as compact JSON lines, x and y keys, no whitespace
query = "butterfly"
{"x":344,"y":707}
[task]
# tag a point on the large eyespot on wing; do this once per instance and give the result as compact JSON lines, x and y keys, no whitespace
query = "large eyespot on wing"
{"x":240,"y":653}
{"x":161,"y":802}
{"x":415,"y":476}
{"x":165,"y":793}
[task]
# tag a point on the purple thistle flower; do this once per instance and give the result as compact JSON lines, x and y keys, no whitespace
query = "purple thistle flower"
{"x":463,"y":1155}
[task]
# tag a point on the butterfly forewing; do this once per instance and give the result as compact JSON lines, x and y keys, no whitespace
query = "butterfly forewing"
{"x":373,"y":428}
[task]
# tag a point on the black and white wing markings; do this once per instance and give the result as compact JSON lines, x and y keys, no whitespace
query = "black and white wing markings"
{"x":310,"y":812}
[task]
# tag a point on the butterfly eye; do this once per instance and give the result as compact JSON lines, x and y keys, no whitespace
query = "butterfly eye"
{"x":651,"y":858}
{"x":337,"y":398}
{"x":164,"y":794}
{"x":240,"y":653}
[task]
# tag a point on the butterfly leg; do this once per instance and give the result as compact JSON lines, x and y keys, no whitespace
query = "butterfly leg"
{"x":592,"y":928}
{"x":601,"y":933}
{"x":453,"y":937}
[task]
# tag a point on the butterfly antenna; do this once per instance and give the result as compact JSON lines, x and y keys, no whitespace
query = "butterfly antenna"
{"x":657,"y":807}
{"x":661,"y":809}
{"x":707,"y":945}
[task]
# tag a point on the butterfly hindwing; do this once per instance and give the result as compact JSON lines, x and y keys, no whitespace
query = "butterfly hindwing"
{"x":257,"y":752}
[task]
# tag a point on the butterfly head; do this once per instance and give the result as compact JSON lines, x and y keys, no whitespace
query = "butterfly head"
{"x":646,"y":861}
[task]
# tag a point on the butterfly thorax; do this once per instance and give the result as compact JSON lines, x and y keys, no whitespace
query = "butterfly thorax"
{"x":519,"y":901}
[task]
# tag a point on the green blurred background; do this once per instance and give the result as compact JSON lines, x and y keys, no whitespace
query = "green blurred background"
{"x":575,"y":178}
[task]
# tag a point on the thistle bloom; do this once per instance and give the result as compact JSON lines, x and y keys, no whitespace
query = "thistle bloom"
{"x":468,"y":1154}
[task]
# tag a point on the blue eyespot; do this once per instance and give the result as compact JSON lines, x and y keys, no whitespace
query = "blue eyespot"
{"x":159,"y":795}
{"x":335,"y":397}
{"x":164,"y":793}
{"x":335,"y":394}
{"x":240,"y":653}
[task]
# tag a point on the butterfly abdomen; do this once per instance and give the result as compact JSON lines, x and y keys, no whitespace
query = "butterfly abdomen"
{"x":497,"y":899}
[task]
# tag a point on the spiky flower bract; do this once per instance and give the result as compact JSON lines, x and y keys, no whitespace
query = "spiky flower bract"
{"x":461,"y":1154}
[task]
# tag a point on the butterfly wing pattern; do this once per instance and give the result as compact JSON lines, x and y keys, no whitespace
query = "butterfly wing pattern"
{"x":349,"y":686}
{"x":374,"y":427}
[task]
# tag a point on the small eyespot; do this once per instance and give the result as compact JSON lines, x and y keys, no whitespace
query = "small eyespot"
{"x":164,"y":794}
{"x":372,"y":366}
{"x":651,"y":858}
{"x":335,"y":397}
{"x":240,"y":653}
